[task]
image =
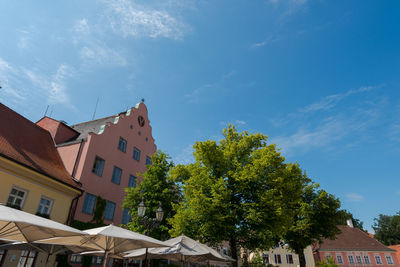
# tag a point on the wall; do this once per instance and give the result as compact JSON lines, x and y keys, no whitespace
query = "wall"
{"x":324,"y":254}
{"x":285,"y":251}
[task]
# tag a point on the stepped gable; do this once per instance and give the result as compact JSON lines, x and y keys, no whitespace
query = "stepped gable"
{"x":352,"y":239}
{"x":24,"y":142}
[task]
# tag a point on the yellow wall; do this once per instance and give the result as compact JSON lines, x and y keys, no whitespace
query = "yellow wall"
{"x":283,"y":251}
{"x":37,"y":185}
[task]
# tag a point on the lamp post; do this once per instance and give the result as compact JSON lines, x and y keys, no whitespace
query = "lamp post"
{"x":149,"y":223}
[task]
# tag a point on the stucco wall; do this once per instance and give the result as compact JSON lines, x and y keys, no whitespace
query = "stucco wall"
{"x":68,"y":154}
{"x":324,"y":254}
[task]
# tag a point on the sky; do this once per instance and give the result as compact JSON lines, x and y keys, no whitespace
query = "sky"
{"x":320,"y":78}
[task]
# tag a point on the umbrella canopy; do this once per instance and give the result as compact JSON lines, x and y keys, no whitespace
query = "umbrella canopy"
{"x":110,"y":239}
{"x":50,"y":249}
{"x":16,"y":225}
{"x":182,"y":248}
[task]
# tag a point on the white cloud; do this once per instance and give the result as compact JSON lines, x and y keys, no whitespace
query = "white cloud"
{"x":271,"y":39}
{"x":7,"y":76}
{"x":330,"y":101}
{"x":134,"y":20}
{"x":240,"y":122}
{"x":185,"y":156}
{"x":102,"y":55}
{"x":354,"y":197}
{"x":82,"y":26}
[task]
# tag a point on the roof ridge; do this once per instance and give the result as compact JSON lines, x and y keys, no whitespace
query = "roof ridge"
{"x":94,"y":120}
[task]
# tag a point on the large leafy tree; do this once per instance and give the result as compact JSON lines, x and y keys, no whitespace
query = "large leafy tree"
{"x":316,"y":217}
{"x":238,"y":190}
{"x":357,"y":223}
{"x":387,"y":229}
{"x":156,"y":187}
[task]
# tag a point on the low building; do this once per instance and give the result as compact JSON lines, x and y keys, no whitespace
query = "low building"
{"x":354,"y":247}
{"x":33,"y":178}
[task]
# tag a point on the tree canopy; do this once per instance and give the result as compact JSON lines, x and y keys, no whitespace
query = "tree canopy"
{"x":156,"y":187}
{"x":387,"y":229}
{"x":238,"y":190}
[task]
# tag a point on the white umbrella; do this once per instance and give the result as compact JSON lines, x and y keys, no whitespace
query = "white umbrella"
{"x":16,"y":225}
{"x":110,"y":239}
{"x":182,"y":248}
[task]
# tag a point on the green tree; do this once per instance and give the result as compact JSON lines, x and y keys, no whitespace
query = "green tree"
{"x":349,"y":216}
{"x":316,"y":217}
{"x":329,"y":263}
{"x":238,"y":190}
{"x":156,"y":187}
{"x":387,"y":229}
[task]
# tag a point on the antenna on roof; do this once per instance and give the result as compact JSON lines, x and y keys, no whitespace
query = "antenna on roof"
{"x":95,"y":108}
{"x":46,"y":110}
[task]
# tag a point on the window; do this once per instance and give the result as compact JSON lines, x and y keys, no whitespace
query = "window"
{"x":389,"y":259}
{"x":16,"y":198}
{"x":148,"y":160}
{"x":378,"y":259}
{"x":278,"y":259}
{"x":76,"y":259}
{"x":339,"y":259}
{"x":125,"y":216}
{"x":122,"y":144}
{"x":98,"y":166}
{"x":132,"y":181}
{"x":289,"y":259}
{"x":89,"y":203}
{"x":136,"y":154}
{"x":97,"y":260}
{"x":358,"y":259}
{"x":44,"y":206}
{"x":116,"y":176}
{"x":366,"y":260}
{"x":266,"y":258}
{"x":351,"y":259}
{"x":109,"y":212}
{"x":27,"y":258}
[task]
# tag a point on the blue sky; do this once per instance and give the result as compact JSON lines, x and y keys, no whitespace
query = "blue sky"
{"x":321,"y":78}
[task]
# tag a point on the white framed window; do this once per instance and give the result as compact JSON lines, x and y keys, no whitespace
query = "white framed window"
{"x":266,"y":258}
{"x":339,"y":259}
{"x":351,"y":259}
{"x":27,"y":258}
{"x":389,"y":259}
{"x":358,"y":259}
{"x":378,"y":259}
{"x":76,"y":258}
{"x":45,"y":205}
{"x":289,"y":259}
{"x":278,"y":258}
{"x":366,"y":260}
{"x":17,"y":197}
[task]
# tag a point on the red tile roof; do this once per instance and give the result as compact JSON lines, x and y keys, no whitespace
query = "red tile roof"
{"x":352,"y":239}
{"x":28,"y":144}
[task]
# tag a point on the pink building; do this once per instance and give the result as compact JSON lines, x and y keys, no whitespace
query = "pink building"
{"x":353,"y":247}
{"x":105,"y":155}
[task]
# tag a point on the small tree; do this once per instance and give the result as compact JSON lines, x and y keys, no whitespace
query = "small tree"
{"x":156,"y":187}
{"x":328,"y":263}
{"x":387,"y":229}
{"x":317,"y":217}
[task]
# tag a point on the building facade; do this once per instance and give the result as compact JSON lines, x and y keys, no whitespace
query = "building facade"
{"x":33,"y":178}
{"x":105,"y":155}
{"x":353,"y":247}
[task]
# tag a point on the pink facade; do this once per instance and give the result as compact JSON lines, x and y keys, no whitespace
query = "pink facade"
{"x":360,"y":258}
{"x":101,"y":139}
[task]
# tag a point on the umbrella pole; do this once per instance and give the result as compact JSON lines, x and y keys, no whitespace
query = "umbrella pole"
{"x":105,"y":258}
{"x":145,"y":259}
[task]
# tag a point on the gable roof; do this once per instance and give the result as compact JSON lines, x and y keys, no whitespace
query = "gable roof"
{"x":352,"y":239}
{"x":93,"y":126}
{"x":24,"y":142}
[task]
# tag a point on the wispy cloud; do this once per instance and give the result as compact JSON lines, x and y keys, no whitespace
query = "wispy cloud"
{"x":7,"y":78}
{"x":269,"y":40}
{"x":240,"y":122}
{"x":323,"y":125}
{"x":194,"y":96}
{"x":82,"y":26}
{"x":354,"y":197}
{"x":133,"y":20}
{"x":185,"y":156}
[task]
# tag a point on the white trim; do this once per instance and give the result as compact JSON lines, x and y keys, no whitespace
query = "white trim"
{"x":19,"y":189}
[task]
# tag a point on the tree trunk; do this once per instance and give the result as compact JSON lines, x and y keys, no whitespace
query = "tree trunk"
{"x":302,"y":258}
{"x":234,"y":252}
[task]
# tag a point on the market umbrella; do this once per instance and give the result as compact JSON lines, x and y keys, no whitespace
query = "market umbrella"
{"x":183,"y":249}
{"x":110,"y":239}
{"x":16,"y":225}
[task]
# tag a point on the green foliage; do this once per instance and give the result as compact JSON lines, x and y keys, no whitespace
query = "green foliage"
{"x":239,"y":190}
{"x":98,"y":212}
{"x":346,"y":215}
{"x":329,"y":263}
{"x":257,"y":260}
{"x":316,"y":217}
{"x":387,"y":229}
{"x":157,"y":187}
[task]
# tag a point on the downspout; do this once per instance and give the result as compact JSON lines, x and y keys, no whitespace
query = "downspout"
{"x":74,"y":202}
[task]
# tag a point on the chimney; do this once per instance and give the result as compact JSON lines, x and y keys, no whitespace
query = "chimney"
{"x":350,"y":223}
